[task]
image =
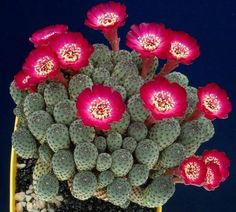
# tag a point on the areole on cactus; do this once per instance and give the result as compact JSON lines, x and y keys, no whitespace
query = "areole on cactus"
{"x":111,"y":120}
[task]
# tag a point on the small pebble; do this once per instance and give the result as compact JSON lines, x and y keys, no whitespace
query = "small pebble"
{"x":29,"y":206}
{"x":57,"y":203}
{"x":40,"y":204}
{"x":20,"y":196}
{"x":60,"y":198}
{"x":19,"y":207}
{"x":35,"y":206}
{"x":33,"y":195}
{"x":28,"y":192}
{"x":52,"y":201}
{"x":28,"y":198}
{"x":21,"y":166}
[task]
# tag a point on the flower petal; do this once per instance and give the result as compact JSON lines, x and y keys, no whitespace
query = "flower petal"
{"x":100,"y":106}
{"x":44,"y":35}
{"x":193,"y":171}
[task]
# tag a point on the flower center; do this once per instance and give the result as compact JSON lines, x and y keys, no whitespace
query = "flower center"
{"x":209,"y":176}
{"x":212,"y":159}
{"x":179,"y":50}
{"x":163,"y":101}
{"x":211,"y":103}
{"x":26,"y":79}
{"x":107,"y":19}
{"x":149,"y":41}
{"x":192,"y":170}
{"x":44,"y":66}
{"x":70,"y":52}
{"x":100,"y":108}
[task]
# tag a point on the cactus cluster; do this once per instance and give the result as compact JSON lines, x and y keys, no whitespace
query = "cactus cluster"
{"x":130,"y":160}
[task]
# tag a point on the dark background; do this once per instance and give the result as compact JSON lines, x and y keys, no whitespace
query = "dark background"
{"x":213,"y":23}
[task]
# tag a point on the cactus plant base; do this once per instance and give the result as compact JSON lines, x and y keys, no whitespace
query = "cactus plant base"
{"x":69,"y":203}
{"x":19,"y":184}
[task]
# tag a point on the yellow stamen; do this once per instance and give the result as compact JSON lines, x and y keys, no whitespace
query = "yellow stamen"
{"x":211,"y":103}
{"x":107,"y":19}
{"x":179,"y":50}
{"x":149,"y":41}
{"x":163,"y":101}
{"x":192,"y":170}
{"x":209,"y":177}
{"x":70,"y":52}
{"x":212,"y":159}
{"x":100,"y":108}
{"x":44,"y":66}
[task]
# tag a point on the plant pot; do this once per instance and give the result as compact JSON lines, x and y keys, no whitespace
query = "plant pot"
{"x":13,"y":171}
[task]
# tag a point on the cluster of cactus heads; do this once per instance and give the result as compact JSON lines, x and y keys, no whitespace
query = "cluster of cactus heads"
{"x":106,"y":121}
{"x":128,"y":158}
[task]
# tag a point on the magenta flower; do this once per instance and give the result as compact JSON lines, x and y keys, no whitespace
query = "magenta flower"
{"x":213,"y":102}
{"x":107,"y":17}
{"x":193,"y":171}
{"x":100,"y":106}
{"x":163,"y":98}
{"x":44,"y":35}
{"x":148,"y":39}
{"x":23,"y":81}
{"x":183,"y":48}
{"x":218,"y":158}
{"x":41,"y":64}
{"x":73,"y":50}
{"x":213,"y":177}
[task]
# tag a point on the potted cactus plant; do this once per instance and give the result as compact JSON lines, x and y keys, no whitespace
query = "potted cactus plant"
{"x":99,"y":123}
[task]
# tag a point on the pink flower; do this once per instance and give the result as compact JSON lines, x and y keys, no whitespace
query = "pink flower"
{"x":44,"y":35}
{"x":213,"y":177}
{"x":149,"y":39}
{"x":106,"y":16}
{"x":23,"y":81}
{"x":213,"y":102}
{"x":163,"y":98}
{"x":100,"y":106}
{"x":41,"y":64}
{"x":193,"y":171}
{"x":72,"y":49}
{"x":183,"y":48}
{"x":219,"y":158}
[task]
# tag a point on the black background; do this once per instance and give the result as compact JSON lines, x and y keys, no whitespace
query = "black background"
{"x":213,"y":23}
